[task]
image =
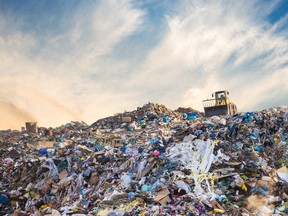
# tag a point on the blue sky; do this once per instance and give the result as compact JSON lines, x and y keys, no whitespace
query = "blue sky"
{"x":82,"y":60}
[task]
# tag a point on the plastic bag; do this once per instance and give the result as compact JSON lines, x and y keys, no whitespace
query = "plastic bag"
{"x":53,"y":171}
{"x":125,"y":181}
{"x":198,"y":157}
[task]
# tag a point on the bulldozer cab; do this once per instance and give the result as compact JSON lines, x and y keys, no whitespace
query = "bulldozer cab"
{"x":221,"y":97}
{"x":219,"y":105}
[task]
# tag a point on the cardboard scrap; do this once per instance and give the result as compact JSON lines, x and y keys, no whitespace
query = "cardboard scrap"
{"x":117,"y":143}
{"x":216,"y":205}
{"x":283,"y":173}
{"x":100,"y":152}
{"x":163,"y":201}
{"x":162,"y":194}
{"x":45,"y":144}
{"x":258,"y":203}
{"x":148,"y":168}
{"x":126,"y":119}
{"x":63,"y":174}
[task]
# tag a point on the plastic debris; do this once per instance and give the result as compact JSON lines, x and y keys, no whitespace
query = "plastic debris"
{"x":151,"y":161}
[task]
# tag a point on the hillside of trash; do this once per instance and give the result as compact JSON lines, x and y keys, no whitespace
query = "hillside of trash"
{"x":150,"y":161}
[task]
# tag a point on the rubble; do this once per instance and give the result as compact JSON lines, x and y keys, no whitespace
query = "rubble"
{"x":151,"y":161}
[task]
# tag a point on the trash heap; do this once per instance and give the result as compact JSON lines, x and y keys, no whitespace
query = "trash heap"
{"x":158,"y":162}
{"x":148,"y":112}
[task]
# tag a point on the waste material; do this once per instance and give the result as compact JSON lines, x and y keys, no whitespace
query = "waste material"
{"x":151,"y":161}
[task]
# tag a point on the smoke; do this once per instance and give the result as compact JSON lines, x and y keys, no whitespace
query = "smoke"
{"x":60,"y":76}
{"x":13,"y":116}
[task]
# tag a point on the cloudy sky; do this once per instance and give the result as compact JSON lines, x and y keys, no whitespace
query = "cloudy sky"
{"x":64,"y":60}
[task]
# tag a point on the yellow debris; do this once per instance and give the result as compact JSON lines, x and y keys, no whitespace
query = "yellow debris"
{"x":43,"y":207}
{"x":219,"y":211}
{"x":244,"y":187}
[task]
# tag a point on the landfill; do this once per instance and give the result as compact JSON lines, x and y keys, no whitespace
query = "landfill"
{"x":150,"y":161}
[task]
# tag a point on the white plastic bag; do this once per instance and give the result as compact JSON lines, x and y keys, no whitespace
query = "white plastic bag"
{"x":125,"y":181}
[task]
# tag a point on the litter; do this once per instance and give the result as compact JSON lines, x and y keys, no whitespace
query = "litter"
{"x":151,"y":161}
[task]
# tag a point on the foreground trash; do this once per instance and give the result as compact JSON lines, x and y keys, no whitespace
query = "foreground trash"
{"x":152,"y":161}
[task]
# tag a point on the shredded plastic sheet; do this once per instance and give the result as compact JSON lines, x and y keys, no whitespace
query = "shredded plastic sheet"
{"x":141,"y":168}
{"x":49,"y":164}
{"x":183,"y":185}
{"x":198,"y":157}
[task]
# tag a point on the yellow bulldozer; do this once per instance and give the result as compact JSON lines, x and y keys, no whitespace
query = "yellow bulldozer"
{"x":220,"y":104}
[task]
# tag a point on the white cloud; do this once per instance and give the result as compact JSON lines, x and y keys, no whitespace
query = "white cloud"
{"x":46,"y":85}
{"x":214,"y":46}
{"x":204,"y":46}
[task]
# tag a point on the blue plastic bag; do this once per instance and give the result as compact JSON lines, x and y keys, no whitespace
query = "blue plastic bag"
{"x":4,"y":200}
{"x":42,"y":151}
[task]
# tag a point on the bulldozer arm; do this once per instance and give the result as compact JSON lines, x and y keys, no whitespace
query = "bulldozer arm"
{"x":214,"y":107}
{"x":216,"y":110}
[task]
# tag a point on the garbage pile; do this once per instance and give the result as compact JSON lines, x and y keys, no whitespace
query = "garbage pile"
{"x":158,"y":162}
{"x":148,"y":112}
